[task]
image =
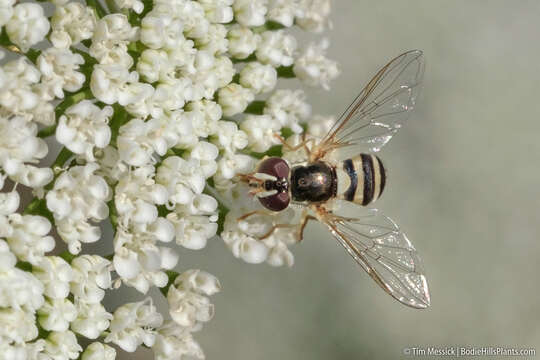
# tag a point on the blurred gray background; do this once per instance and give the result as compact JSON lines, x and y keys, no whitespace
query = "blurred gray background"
{"x":463,"y":183}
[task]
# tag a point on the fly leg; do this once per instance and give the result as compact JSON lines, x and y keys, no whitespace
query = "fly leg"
{"x":299,"y":146}
{"x":299,"y":228}
{"x":255,"y":212}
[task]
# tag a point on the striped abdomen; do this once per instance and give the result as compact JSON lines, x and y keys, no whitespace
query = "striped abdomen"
{"x":361,"y":179}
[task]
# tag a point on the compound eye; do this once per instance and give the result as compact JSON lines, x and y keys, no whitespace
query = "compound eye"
{"x":276,"y":202}
{"x":274,"y":166}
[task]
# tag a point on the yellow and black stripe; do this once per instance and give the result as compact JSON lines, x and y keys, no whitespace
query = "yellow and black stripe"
{"x":367,"y":178}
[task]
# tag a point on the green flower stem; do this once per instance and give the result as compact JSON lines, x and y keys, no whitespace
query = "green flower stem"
{"x":39,"y":206}
{"x":113,"y":214}
{"x":24,"y":266}
{"x":98,"y":7}
{"x":112,"y":6}
{"x":286,"y":72}
{"x":222,"y":207}
{"x":135,"y":19}
{"x":250,"y":58}
{"x":276,"y":150}
{"x":268,"y":26}
{"x":47,"y":131}
{"x":256,"y":107}
{"x":135,"y":49}
{"x":84,"y":93}
{"x":66,"y":255}
{"x":89,"y":61}
{"x":120,"y":117}
{"x":61,"y":159}
{"x":172,"y":276}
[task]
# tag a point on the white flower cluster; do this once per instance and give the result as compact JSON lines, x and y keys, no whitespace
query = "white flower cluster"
{"x":158,"y":106}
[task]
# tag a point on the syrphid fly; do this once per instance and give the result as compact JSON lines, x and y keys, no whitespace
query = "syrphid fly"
{"x":342,"y":167}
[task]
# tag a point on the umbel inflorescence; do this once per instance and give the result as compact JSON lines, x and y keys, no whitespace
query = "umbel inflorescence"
{"x":156,"y":106}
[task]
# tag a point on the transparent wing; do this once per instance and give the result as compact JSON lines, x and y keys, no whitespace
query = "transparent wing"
{"x":379,"y":110}
{"x":383,"y":250}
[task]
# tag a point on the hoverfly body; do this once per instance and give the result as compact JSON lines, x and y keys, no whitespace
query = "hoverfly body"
{"x":342,"y":167}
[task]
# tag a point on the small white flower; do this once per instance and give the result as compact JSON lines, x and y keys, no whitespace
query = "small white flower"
{"x":261,"y":132}
{"x":135,"y":5}
{"x":174,"y":342}
{"x":90,"y":320}
{"x":62,"y":346}
{"x":234,"y":99}
{"x":83,"y":127}
{"x":138,"y":140}
{"x":285,"y":12}
{"x":98,"y":351}
{"x":18,"y":288}
{"x":258,"y":77}
{"x":27,"y":26}
{"x":232,"y":164}
{"x":6,"y":11}
{"x":137,"y":195}
{"x":242,"y":41}
{"x":152,"y":64}
{"x":204,"y":116}
{"x":59,"y":70}
{"x":242,"y":244}
{"x":7,"y":258}
{"x":218,"y":11}
{"x":139,"y":261}
{"x":187,"y":297}
{"x":215,"y":41}
{"x":175,"y":93}
{"x":109,"y":42}
{"x":250,"y":12}
{"x":71,"y":23}
{"x":110,"y":83}
{"x":19,"y":145}
{"x":28,"y":239}
{"x":190,"y":13}
{"x":75,"y":232}
{"x":133,"y":324}
{"x":17,"y":325}
{"x":276,"y":48}
{"x":289,"y":108}
{"x":91,"y":276}
{"x":9,"y":202}
{"x":183,"y":179}
{"x":79,"y":195}
{"x":159,"y":30}
{"x":56,"y":314}
{"x":314,"y":68}
{"x":55,"y":274}
{"x":314,"y":15}
{"x":228,"y":137}
{"x":206,"y":153}
{"x":195,"y":222}
{"x":224,"y":70}
{"x":243,"y":237}
{"x":17,"y":93}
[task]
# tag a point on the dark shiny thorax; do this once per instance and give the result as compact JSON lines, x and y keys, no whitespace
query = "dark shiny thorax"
{"x":315,"y":182}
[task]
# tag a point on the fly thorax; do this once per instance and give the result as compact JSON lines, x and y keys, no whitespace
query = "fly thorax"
{"x":314,"y":182}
